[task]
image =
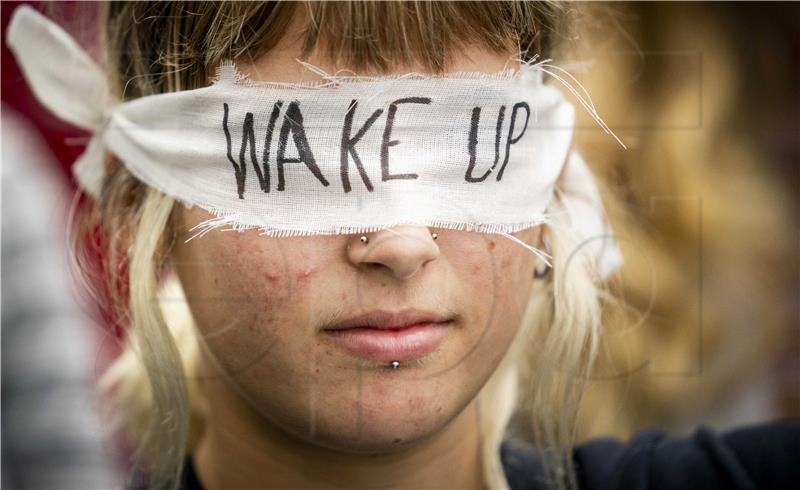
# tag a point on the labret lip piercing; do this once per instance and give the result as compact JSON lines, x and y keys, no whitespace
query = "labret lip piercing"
{"x":365,"y":238}
{"x":394,"y":364}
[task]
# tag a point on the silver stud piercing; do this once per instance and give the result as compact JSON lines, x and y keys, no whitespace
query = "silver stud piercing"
{"x":394,"y":364}
{"x":434,"y":236}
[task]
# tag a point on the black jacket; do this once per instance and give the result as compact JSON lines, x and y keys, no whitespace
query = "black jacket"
{"x":765,"y":457}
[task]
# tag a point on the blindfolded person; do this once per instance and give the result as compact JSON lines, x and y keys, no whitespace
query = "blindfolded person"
{"x":355,"y":239}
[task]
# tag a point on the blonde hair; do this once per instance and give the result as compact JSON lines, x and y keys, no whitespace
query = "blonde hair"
{"x":152,"y":381}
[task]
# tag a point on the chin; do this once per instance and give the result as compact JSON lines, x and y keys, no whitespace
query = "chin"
{"x":380,"y":422}
{"x":379,"y":434}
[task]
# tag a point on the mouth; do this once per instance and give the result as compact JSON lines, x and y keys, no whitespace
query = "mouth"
{"x":385,"y":336}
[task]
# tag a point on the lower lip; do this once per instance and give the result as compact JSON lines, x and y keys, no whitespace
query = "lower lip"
{"x":402,"y":344}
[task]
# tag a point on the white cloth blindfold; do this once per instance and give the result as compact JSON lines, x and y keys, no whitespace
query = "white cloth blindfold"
{"x":467,"y":151}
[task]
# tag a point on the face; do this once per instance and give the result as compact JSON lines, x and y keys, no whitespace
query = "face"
{"x":269,"y":314}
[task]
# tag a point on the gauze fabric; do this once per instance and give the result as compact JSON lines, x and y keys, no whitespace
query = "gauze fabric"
{"x":467,"y":151}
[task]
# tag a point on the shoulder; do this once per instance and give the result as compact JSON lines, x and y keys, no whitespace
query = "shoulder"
{"x":753,"y":457}
{"x":760,"y":456}
{"x":522,"y":467}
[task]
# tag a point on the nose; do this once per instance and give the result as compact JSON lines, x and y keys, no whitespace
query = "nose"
{"x":403,"y":250}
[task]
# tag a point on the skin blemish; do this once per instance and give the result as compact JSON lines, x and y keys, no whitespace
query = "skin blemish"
{"x":491,"y":245}
{"x":303,"y":276}
{"x":416,"y":404}
{"x":271,"y":276}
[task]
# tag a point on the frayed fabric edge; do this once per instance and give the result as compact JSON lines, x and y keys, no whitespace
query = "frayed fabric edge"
{"x":222,"y":222}
{"x":228,"y":222}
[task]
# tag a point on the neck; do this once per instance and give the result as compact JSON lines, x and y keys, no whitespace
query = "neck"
{"x":240,"y":449}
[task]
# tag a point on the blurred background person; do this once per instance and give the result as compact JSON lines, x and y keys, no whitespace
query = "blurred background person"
{"x":51,"y":430}
{"x":52,"y":433}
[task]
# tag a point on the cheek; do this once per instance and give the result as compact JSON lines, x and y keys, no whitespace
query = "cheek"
{"x":515,"y":270}
{"x":249,"y":294}
{"x":499,"y":272}
{"x":497,"y":276}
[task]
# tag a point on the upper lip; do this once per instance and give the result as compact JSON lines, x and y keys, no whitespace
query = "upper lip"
{"x":383,"y":319}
